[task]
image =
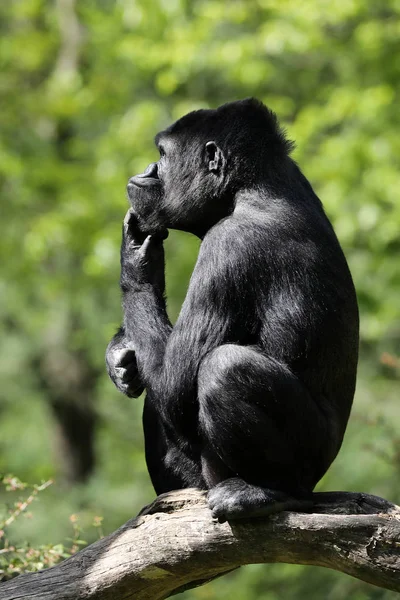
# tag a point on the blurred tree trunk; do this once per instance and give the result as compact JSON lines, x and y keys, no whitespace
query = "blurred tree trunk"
{"x":70,"y":384}
{"x":65,"y":372}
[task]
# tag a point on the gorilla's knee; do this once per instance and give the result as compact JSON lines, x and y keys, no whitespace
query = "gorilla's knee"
{"x":217,"y":369}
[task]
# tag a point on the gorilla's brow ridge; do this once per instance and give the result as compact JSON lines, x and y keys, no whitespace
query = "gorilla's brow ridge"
{"x":158,"y":138}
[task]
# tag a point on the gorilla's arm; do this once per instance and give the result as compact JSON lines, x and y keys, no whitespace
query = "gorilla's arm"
{"x":168,"y":358}
{"x":120,"y":357}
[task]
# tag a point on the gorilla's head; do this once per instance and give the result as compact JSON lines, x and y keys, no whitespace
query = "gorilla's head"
{"x":206,"y":158}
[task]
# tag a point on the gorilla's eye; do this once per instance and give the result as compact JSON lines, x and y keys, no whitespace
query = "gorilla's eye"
{"x":162,"y":151}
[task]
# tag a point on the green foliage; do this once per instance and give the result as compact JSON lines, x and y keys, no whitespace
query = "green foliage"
{"x":15,"y":560}
{"x":84,"y":90}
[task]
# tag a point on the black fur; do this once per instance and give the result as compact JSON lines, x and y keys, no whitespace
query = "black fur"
{"x":249,"y":394}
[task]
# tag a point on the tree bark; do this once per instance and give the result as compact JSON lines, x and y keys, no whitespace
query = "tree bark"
{"x":175,"y":544}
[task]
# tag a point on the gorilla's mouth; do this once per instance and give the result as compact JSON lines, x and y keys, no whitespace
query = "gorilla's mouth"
{"x":148,"y":178}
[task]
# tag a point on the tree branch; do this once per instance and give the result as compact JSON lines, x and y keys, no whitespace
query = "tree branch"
{"x":174,"y":544}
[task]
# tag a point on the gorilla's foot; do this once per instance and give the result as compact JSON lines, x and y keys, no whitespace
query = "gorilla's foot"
{"x":236,"y":499}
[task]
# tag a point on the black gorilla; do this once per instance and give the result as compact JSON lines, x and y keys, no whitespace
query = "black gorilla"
{"x":249,"y":394}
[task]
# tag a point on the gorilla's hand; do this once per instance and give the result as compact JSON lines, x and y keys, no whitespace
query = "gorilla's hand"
{"x":142,"y":256}
{"x":122,"y":367}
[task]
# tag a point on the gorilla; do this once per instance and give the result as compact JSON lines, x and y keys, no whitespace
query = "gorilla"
{"x":249,"y":393}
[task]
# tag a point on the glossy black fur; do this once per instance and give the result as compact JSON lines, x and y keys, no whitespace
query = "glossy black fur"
{"x":249,"y":394}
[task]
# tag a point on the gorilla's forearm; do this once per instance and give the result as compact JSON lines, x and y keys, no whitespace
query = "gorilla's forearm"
{"x":144,"y":332}
{"x":148,"y":328}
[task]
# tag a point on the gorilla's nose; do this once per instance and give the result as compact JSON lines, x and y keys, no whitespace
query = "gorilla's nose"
{"x":151,"y":171}
{"x":149,"y":177}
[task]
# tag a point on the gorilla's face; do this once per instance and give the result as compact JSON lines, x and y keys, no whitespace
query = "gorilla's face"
{"x":184,"y":189}
{"x":195,"y":182}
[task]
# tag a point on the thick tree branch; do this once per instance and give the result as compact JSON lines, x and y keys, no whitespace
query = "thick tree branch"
{"x":175,"y":544}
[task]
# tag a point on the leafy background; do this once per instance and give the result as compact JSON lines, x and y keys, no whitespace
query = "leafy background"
{"x":84,"y":86}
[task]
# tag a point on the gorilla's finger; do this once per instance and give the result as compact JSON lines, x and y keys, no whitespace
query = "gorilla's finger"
{"x":130,"y":218}
{"x":160,"y":236}
{"x":145,"y":247}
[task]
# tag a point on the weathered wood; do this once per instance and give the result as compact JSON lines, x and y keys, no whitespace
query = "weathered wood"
{"x":174,"y":544}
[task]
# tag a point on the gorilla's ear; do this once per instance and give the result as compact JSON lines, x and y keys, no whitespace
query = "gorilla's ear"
{"x":215,"y":157}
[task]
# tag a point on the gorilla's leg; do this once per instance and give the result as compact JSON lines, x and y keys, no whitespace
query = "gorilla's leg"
{"x":263,"y":434}
{"x":171,"y":462}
